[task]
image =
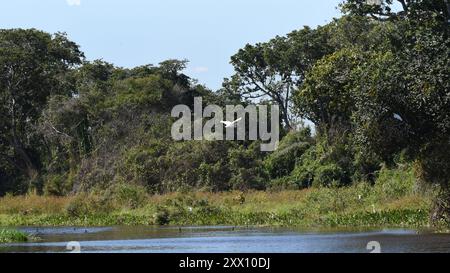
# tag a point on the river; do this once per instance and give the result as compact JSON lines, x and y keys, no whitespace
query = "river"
{"x":229,"y":240}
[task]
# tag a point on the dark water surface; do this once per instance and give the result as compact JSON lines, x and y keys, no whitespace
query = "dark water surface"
{"x":229,"y":240}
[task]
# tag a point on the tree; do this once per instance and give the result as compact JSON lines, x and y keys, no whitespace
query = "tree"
{"x":326,"y":97}
{"x":33,"y":65}
{"x":385,"y":9}
{"x":171,"y":69}
{"x":402,"y":103}
{"x":274,"y":69}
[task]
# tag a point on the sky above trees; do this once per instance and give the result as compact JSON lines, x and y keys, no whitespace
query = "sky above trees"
{"x":135,"y":32}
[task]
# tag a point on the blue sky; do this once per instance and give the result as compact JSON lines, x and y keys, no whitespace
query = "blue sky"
{"x":136,"y":32}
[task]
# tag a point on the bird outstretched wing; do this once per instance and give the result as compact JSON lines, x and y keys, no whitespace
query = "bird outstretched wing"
{"x":230,"y":123}
{"x":398,"y":117}
{"x":236,"y":121}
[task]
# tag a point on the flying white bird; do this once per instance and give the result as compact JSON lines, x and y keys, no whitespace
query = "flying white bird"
{"x":398,"y":117}
{"x":229,"y":124}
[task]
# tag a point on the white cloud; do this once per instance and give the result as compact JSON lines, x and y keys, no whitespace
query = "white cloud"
{"x":201,"y":69}
{"x":73,"y":2}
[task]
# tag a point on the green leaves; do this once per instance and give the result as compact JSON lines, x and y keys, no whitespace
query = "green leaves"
{"x":33,"y":66}
{"x":326,"y":95}
{"x":375,"y":82}
{"x":272,"y":70}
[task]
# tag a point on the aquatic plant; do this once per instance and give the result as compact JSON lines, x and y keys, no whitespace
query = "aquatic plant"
{"x":10,"y":236}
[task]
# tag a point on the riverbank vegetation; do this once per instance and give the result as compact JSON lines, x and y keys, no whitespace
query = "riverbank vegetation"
{"x":13,"y":236}
{"x":394,"y":201}
{"x":89,"y":143}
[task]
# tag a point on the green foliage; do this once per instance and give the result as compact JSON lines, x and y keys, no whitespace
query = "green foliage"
{"x":375,"y":83}
{"x":400,"y":104}
{"x":357,"y":205}
{"x":57,"y":185}
{"x":303,"y":174}
{"x":247,"y":168}
{"x":12,"y":236}
{"x":326,"y":96}
{"x":281,"y":162}
{"x":162,"y":216}
{"x":118,"y":196}
{"x":128,"y":195}
{"x":272,"y":70}
{"x":33,"y":66}
{"x":142,"y":165}
{"x":284,"y":183}
{"x":393,"y":183}
{"x":330,"y":160}
{"x":421,"y":12}
{"x":327,"y":174}
{"x":88,"y":204}
{"x":406,"y":217}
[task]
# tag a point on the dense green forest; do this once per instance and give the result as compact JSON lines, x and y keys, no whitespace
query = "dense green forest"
{"x":375,"y":84}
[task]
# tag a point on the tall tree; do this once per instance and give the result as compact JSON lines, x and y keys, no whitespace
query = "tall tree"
{"x":33,"y":65}
{"x":271,"y":71}
{"x":402,"y":103}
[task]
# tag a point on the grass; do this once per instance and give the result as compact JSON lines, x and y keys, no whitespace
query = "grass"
{"x":314,"y":207}
{"x":12,"y":236}
{"x":393,"y":201}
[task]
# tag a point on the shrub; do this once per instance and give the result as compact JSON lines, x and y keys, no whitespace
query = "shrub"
{"x":128,"y":195}
{"x":282,"y":162}
{"x":87,"y":204}
{"x":57,"y":185}
{"x":327,"y":174}
{"x":141,"y":165}
{"x":395,"y":183}
{"x":10,"y":236}
{"x":303,"y":176}
{"x":77,"y":207}
{"x":162,"y":216}
{"x":283,"y":183}
{"x":247,"y":168}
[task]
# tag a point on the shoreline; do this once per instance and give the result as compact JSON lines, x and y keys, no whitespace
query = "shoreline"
{"x":308,"y":208}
